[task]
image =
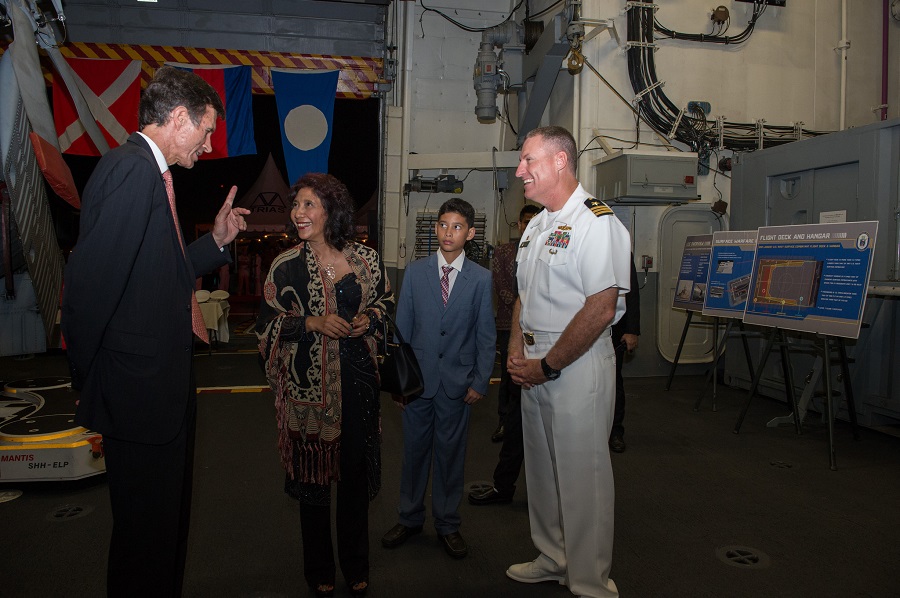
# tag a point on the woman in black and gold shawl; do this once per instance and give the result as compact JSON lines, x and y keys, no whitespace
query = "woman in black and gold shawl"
{"x":323,"y":304}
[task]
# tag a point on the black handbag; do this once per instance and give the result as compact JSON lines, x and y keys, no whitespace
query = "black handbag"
{"x":398,"y":366}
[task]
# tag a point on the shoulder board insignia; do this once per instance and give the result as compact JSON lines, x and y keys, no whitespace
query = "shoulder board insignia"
{"x":597,"y":207}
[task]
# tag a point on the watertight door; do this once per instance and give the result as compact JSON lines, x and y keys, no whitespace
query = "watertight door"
{"x":676,"y":224}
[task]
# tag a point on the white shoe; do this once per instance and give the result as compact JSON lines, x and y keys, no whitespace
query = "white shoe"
{"x":533,"y":573}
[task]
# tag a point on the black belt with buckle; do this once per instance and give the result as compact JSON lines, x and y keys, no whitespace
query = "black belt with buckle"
{"x":528,"y":337}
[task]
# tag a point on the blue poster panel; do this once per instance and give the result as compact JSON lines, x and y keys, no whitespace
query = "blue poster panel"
{"x":690,"y":290}
{"x":812,"y":277}
{"x":730,"y":267}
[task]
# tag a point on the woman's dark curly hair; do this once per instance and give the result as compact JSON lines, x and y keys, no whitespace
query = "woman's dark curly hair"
{"x":335,"y":200}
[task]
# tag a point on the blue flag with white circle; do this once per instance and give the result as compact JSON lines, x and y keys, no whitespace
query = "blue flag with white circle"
{"x":305,"y":101}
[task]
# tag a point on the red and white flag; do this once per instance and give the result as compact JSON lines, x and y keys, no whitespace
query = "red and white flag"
{"x":112,"y":90}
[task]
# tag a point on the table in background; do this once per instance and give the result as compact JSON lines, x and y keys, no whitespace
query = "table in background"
{"x":215,"y":317}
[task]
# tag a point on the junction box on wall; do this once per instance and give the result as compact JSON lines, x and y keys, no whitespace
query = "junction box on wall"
{"x":647,"y":177}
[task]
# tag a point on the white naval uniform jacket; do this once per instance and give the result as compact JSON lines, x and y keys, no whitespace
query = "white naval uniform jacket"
{"x":568,"y":255}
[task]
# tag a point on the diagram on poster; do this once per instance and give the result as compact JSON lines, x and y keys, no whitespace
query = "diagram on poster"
{"x":731,"y":264}
{"x":690,"y":291}
{"x":812,"y":277}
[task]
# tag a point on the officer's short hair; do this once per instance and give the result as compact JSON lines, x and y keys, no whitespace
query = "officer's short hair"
{"x":560,"y":140}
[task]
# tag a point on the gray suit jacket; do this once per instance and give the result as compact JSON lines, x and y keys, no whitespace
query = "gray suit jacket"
{"x":454,"y":345}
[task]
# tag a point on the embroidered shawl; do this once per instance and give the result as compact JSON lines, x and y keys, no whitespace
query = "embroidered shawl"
{"x":306,"y":375}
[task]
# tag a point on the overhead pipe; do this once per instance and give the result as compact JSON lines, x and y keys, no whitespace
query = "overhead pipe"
{"x":407,"y":22}
{"x":486,"y":75}
{"x":843,"y":46}
{"x":885,"y":35}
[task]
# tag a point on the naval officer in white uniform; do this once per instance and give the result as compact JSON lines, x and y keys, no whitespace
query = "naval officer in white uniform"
{"x":572,"y":274}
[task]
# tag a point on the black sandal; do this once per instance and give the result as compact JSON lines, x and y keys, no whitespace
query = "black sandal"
{"x":359,"y":588}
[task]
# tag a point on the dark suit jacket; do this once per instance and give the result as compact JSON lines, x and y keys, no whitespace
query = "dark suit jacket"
{"x":126,"y":312}
{"x":630,"y":322}
{"x":455,"y":345}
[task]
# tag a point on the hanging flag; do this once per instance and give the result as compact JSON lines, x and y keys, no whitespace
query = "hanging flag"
{"x":234,"y":137}
{"x":305,"y":101}
{"x":112,"y":89}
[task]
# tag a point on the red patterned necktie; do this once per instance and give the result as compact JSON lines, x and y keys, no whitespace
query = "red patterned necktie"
{"x":196,"y":317}
{"x":445,"y":283}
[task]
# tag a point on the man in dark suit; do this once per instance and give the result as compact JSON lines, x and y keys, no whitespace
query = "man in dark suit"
{"x":128,"y":315}
{"x":625,"y":335}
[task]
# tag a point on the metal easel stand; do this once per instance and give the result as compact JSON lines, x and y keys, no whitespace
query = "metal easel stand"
{"x":830,"y":406}
{"x":775,"y":334}
{"x":684,"y":331}
{"x":830,"y":351}
{"x":720,"y":350}
{"x":812,"y":380}
{"x":824,"y":359}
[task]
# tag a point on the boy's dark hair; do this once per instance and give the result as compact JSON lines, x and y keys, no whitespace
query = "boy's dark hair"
{"x":461,"y":207}
{"x":528,"y":209}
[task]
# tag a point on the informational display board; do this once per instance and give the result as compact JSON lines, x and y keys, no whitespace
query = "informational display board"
{"x":730,"y":267}
{"x":690,"y":291}
{"x":812,"y":277}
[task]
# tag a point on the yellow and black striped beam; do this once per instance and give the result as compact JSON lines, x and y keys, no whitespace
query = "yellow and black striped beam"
{"x":358,"y":78}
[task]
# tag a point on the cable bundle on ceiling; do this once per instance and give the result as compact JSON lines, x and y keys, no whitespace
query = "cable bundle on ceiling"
{"x":692,"y":128}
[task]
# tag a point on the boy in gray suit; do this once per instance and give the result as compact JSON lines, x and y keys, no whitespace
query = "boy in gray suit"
{"x":444,"y":311}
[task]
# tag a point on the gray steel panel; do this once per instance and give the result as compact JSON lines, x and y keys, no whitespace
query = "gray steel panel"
{"x":857,"y":170}
{"x":860,"y":169}
{"x":325,"y":46}
{"x":329,"y":10}
{"x":299,"y":26}
{"x":336,"y":30}
{"x":226,"y":6}
{"x":206,"y":23}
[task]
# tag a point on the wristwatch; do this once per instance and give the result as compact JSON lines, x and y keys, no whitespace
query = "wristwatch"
{"x":549,"y":371}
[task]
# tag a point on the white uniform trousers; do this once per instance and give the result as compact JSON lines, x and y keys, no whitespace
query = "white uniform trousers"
{"x":566,"y":424}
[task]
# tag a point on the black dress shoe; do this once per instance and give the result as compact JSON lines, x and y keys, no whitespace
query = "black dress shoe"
{"x":617,"y":444}
{"x":489,"y":497}
{"x":455,"y":545}
{"x":497,"y":436}
{"x":399,"y":534}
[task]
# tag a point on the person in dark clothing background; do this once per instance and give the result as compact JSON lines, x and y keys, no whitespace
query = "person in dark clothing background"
{"x":625,"y":335}
{"x":509,"y":430}
{"x":503,"y":267}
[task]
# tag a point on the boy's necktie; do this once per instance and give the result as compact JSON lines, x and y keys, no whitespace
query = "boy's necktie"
{"x":196,"y":317}
{"x":445,"y":283}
